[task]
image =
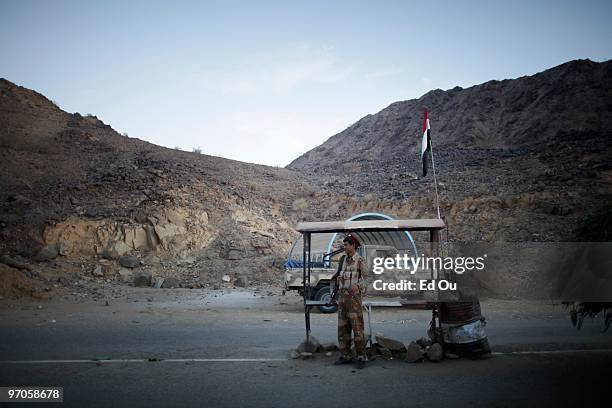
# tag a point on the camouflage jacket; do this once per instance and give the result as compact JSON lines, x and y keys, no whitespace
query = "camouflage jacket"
{"x":353,"y":273}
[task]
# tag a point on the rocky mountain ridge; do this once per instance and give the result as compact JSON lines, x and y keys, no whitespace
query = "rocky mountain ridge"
{"x":518,"y":160}
{"x":77,"y":193}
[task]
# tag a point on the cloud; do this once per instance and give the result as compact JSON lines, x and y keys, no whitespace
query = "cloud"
{"x":322,"y":69}
{"x":281,"y":72}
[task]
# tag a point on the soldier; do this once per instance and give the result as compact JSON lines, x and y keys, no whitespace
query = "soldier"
{"x":351,"y":285}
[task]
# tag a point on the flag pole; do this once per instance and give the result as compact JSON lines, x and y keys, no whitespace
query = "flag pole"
{"x":433,"y":166}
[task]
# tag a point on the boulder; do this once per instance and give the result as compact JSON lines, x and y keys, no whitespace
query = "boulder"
{"x":108,"y":254}
{"x":46,"y":254}
{"x":414,"y":353}
{"x":170,"y":283}
{"x":391,"y":344}
{"x":129,"y":261}
{"x":435,"y":353}
{"x":142,"y":279}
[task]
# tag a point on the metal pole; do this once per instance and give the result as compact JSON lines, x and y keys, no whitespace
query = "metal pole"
{"x":433,"y":166}
{"x":306,"y":317}
{"x":308,"y":288}
{"x":370,"y":323}
{"x":309,"y":262}
{"x":433,"y":241}
{"x":434,"y":238}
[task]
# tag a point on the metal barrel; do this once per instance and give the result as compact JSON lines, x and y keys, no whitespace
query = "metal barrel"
{"x":459,"y":312}
{"x":463,"y":328}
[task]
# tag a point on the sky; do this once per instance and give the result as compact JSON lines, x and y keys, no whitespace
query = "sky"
{"x":266,"y":81}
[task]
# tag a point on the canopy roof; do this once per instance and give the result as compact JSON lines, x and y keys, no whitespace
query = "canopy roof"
{"x":427,"y":224}
{"x":368,"y":228}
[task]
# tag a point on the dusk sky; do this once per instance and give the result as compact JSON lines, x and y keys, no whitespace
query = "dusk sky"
{"x":263,"y":81}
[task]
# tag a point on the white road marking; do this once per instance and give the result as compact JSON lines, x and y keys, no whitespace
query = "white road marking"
{"x":553,"y":352}
{"x":248,"y":360}
{"x":145,"y":360}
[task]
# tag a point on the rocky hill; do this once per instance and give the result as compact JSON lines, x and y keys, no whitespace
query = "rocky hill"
{"x":519,"y":159}
{"x":79,"y":197}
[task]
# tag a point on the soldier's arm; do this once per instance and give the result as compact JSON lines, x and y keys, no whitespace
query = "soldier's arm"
{"x":363,"y":283}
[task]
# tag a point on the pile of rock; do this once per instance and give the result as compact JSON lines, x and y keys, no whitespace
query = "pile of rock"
{"x":415,"y":352}
{"x":310,"y":346}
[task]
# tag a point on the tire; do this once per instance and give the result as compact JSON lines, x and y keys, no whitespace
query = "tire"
{"x":323,"y":294}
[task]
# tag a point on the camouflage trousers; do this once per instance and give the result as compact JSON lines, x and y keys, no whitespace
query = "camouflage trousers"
{"x":350,"y":319}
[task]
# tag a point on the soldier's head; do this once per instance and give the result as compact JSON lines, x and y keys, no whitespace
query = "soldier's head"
{"x":350,"y":245}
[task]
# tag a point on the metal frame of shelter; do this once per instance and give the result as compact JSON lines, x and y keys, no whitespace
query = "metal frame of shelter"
{"x":433,"y":226}
{"x":323,"y":244}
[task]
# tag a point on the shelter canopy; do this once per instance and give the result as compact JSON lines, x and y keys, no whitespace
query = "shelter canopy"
{"x":431,"y":224}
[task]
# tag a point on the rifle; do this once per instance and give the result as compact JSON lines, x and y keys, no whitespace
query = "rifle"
{"x":334,"y":279}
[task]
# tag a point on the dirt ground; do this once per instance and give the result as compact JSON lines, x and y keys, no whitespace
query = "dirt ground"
{"x":89,"y":294}
{"x":232,"y":346}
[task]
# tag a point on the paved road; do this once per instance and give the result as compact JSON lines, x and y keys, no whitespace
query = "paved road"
{"x":239,"y":349}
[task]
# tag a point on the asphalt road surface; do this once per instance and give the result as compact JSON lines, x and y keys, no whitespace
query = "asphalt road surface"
{"x":162,"y":348}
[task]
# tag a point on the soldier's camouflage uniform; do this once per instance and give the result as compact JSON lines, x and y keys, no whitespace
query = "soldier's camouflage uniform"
{"x":352,"y":286}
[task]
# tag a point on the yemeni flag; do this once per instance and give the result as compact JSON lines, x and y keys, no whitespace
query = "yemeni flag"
{"x":426,"y":144}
